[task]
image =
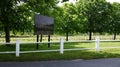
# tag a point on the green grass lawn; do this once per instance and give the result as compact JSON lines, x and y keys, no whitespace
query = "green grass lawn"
{"x":68,"y":55}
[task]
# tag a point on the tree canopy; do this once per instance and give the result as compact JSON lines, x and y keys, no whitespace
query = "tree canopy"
{"x":17,"y":15}
{"x":85,"y":16}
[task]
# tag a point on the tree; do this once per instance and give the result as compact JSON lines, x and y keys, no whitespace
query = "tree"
{"x":67,"y":17}
{"x":94,"y":11}
{"x":16,"y":15}
{"x":43,"y":7}
{"x":13,"y":16}
{"x":81,"y":18}
{"x":114,"y":19}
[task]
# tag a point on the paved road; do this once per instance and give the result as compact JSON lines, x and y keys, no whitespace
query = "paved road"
{"x":113,"y":62}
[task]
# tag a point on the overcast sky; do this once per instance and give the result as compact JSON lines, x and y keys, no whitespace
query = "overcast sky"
{"x":59,"y":4}
{"x":113,"y":1}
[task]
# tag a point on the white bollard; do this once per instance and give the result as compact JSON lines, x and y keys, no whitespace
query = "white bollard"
{"x":97,"y":45}
{"x":61,"y":46}
{"x":17,"y":48}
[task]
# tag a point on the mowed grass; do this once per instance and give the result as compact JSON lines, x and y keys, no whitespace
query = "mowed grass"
{"x":68,"y":55}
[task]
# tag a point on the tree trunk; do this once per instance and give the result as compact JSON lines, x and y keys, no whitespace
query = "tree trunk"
{"x":114,"y":36}
{"x":7,"y":34}
{"x":66,"y":36}
{"x":90,"y":35}
{"x":90,"y":29}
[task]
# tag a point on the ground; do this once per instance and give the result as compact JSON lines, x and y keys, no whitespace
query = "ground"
{"x":111,"y":62}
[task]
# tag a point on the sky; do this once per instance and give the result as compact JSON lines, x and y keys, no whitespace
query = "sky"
{"x":59,"y":4}
{"x":113,"y":1}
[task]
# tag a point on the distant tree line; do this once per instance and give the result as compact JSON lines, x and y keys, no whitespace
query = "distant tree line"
{"x":89,"y":16}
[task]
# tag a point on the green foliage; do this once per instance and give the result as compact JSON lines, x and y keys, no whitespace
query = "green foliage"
{"x":17,"y":16}
{"x":96,"y":15}
{"x":66,"y":20}
{"x":86,"y":16}
{"x":43,"y":7}
{"x":114,"y":22}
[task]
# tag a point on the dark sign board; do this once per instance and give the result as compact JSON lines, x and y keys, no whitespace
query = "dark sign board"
{"x":43,"y":25}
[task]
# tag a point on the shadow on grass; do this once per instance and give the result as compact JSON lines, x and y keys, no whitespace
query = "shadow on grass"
{"x":68,"y":55}
{"x":56,"y":46}
{"x":7,"y":48}
{"x":29,"y":47}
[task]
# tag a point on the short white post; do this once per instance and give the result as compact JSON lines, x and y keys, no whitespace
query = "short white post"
{"x":61,"y":46}
{"x":17,"y":48}
{"x":97,"y":45}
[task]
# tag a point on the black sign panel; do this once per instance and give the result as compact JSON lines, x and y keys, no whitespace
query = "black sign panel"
{"x":43,"y":25}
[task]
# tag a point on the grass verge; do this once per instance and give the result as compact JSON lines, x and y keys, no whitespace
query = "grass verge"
{"x":68,"y":55}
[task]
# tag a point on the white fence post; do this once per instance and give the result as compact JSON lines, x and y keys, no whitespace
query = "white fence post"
{"x":17,"y":48}
{"x":61,"y":46}
{"x":97,"y":44}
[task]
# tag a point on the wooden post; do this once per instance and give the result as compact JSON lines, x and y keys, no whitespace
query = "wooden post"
{"x":37,"y":41}
{"x":41,"y":38}
{"x":49,"y":41}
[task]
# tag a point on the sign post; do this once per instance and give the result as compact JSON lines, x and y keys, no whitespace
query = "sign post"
{"x":37,"y":42}
{"x":41,"y":38}
{"x":43,"y":25}
{"x":49,"y":41}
